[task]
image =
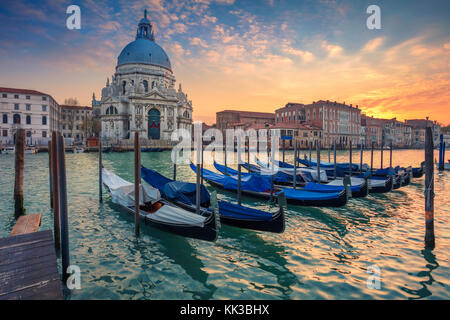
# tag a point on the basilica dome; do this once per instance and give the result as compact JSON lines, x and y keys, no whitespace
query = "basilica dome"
{"x":144,"y":50}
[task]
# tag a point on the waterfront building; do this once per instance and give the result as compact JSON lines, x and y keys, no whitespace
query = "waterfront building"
{"x":303,"y":133}
{"x":141,"y":95}
{"x":418,"y":127}
{"x":77,"y":122}
{"x":229,"y":119}
{"x":36,"y":112}
{"x":338,"y":121}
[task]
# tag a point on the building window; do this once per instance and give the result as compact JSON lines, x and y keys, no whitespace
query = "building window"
{"x":64,"y":127}
{"x":44,"y":120}
{"x":124,"y":84}
{"x":44,"y":107}
{"x":16,"y":96}
{"x":4,"y":95}
{"x":28,"y":134}
{"x":5,"y":118}
{"x":16,"y":106}
{"x":5,"y":133}
{"x":44,"y":99}
{"x":28,"y":107}
{"x":44,"y":134}
{"x":28,"y":119}
{"x":28,"y":97}
{"x":145,"y":85}
{"x":16,"y":119}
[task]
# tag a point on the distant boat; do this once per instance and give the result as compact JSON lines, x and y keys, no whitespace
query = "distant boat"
{"x":78,"y":150}
{"x":8,"y":150}
{"x":30,"y":150}
{"x":158,"y":212}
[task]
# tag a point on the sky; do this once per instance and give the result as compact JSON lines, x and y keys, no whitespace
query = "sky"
{"x":254,"y":55}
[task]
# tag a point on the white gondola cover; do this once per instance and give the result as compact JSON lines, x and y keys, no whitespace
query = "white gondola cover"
{"x":122,"y":193}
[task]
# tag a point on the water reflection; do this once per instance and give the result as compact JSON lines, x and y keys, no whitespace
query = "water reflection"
{"x":429,"y":280}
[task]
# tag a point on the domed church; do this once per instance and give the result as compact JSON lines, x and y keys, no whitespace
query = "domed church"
{"x":141,"y":95}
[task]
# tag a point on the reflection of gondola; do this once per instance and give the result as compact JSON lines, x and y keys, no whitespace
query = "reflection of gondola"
{"x":183,"y":194}
{"x":259,"y":187}
{"x":160,"y":213}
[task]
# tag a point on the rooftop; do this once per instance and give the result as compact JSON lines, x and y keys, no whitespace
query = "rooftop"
{"x":22,"y":91}
{"x":250,"y":113}
{"x":65,"y":106}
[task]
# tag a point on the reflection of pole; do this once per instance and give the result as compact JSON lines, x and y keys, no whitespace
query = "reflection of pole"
{"x":429,"y":190}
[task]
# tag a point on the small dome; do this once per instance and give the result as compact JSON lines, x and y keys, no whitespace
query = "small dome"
{"x":146,"y":52}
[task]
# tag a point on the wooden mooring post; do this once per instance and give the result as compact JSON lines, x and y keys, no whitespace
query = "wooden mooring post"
{"x":239,"y":191}
{"x":429,"y":190}
{"x":19,"y":209}
{"x":371,"y":157}
{"x":64,"y":220}
{"x":175,"y":150}
{"x":50,"y":181}
{"x":390,"y":155}
{"x":56,"y":195}
{"x":137,"y":181}
{"x":100,"y":176}
{"x":335,"y":165}
{"x":295,"y":165}
{"x":318,"y":161}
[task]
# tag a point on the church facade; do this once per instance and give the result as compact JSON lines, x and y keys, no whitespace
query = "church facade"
{"x":141,"y":95}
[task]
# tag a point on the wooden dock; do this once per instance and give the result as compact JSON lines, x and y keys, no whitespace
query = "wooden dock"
{"x":28,"y":267}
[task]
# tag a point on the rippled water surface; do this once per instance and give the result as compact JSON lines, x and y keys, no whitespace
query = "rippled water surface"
{"x":323,"y":254}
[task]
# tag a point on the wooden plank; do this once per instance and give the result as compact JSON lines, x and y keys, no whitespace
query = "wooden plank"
{"x":27,"y":224}
{"x":28,"y":268}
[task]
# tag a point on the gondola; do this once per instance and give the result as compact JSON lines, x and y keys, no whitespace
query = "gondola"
{"x":160,"y":213}
{"x":359,"y":187}
{"x":258,"y":186}
{"x":418,"y":172}
{"x":183,"y":194}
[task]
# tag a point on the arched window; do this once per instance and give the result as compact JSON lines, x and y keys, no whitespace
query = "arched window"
{"x":153,"y":84}
{"x":44,"y":120}
{"x":186,"y":114}
{"x":16,"y":119}
{"x":124,"y":84}
{"x":145,"y":85}
{"x":112,"y":110}
{"x":28,"y":119}
{"x":5,"y":118}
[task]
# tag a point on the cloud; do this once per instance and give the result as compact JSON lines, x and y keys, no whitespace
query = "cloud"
{"x":373,"y":44}
{"x":333,"y":50}
{"x":198,"y":42}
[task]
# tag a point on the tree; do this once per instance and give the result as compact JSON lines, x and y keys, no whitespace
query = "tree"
{"x":71,"y":102}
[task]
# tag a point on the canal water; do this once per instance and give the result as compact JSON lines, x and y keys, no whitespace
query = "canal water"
{"x":323,"y":254}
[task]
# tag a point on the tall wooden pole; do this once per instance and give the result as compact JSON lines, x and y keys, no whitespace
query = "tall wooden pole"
{"x":65,"y":255}
{"x":295,"y":165}
{"x":351,"y":157}
{"x":390,"y":156}
{"x":310,"y":150}
{"x":284,"y":145}
{"x":201,"y":172}
{"x":318,"y":161}
{"x":329,"y":151}
{"x":198,"y":151}
{"x":19,"y":210}
{"x":239,"y":169}
{"x":382,"y":148}
{"x":137,"y":181}
{"x":248,"y":154}
{"x":335,"y":165}
{"x":49,"y":148}
{"x":175,"y":164}
{"x":371,"y":157}
{"x":56,"y":191}
{"x":361,"y":159}
{"x":429,"y":190}
{"x":100,"y":167}
{"x":225,"y":145}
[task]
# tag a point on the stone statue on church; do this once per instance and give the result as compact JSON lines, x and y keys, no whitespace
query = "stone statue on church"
{"x":129,"y":88}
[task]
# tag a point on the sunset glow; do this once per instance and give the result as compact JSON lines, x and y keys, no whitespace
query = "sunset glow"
{"x":246,"y":55}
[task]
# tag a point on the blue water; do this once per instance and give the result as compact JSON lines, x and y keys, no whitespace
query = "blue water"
{"x":323,"y":254}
